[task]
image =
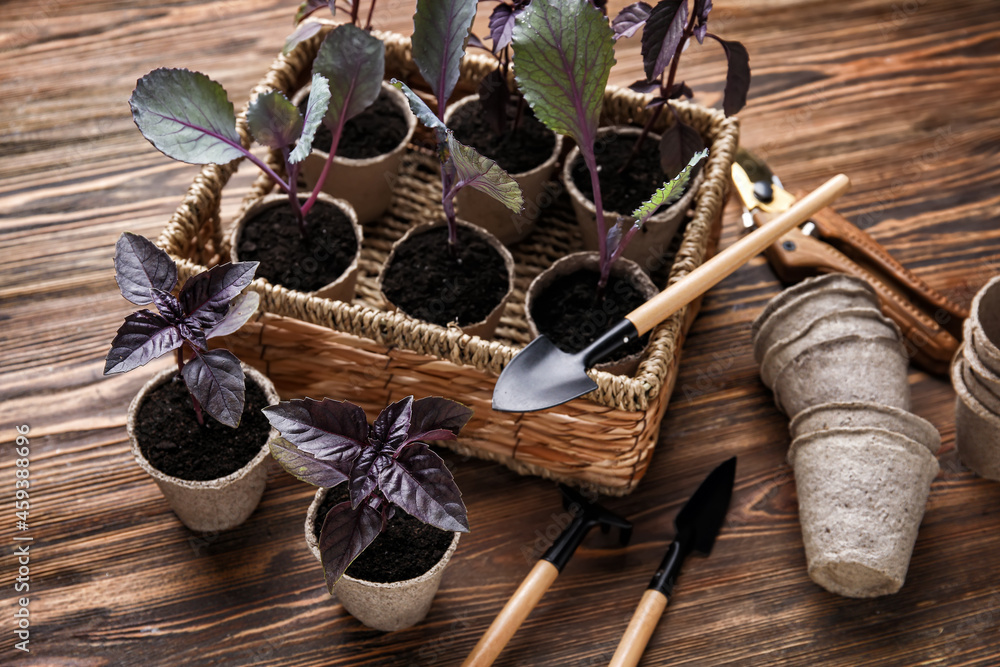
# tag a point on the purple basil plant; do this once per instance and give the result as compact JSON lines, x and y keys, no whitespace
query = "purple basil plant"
{"x":494,"y":95}
{"x":666,"y":30}
{"x":188,"y":116}
{"x":306,"y":29}
{"x":563,"y":54}
{"x":209,"y":304}
{"x":385,"y":466}
{"x":440,"y":36}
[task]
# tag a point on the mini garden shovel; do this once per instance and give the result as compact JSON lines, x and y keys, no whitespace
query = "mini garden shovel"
{"x":586,"y":515}
{"x":542,"y":376}
{"x":696,"y":525}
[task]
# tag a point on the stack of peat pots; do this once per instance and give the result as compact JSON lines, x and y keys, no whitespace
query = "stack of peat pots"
{"x":976,"y":376}
{"x":863,"y":463}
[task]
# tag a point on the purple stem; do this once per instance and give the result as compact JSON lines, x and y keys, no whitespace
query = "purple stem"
{"x":371,"y":10}
{"x":602,"y":232}
{"x":448,"y":191}
{"x":334,"y":143}
{"x":293,"y":192}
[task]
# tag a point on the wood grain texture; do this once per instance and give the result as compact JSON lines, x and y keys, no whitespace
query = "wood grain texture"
{"x":898,"y":95}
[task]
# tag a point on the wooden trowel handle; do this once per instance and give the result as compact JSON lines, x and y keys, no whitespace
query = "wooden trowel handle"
{"x":706,"y":276}
{"x":640,"y":629}
{"x":513,"y":614}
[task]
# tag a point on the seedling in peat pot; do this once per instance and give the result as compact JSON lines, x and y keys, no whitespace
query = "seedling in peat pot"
{"x":387,"y":466}
{"x":666,"y":29}
{"x":564,"y":51}
{"x":209,"y":304}
{"x":188,"y":116}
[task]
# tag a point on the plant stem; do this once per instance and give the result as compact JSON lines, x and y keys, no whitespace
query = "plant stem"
{"x":448,"y":192}
{"x":355,"y":7}
{"x":334,"y":143}
{"x":293,"y":193}
{"x":266,"y":169}
{"x":595,"y":184}
{"x":371,"y":10}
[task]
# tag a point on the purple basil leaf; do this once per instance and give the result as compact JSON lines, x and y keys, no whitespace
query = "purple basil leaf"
{"x":273,"y":120}
{"x":169,"y":307}
{"x":493,"y":98}
{"x":436,"y":418}
{"x":678,"y":144}
{"x":418,"y":482}
{"x":144,"y":336}
{"x":440,"y":32}
{"x":631,"y":20}
{"x":700,"y":32}
{"x":655,"y":102}
{"x":354,"y":62}
{"x":334,"y":431}
{"x":564,"y":52}
{"x":737,"y":76}
{"x":242,"y":309}
{"x":302,"y":32}
{"x":701,"y":11}
{"x":305,"y":466}
{"x":679,"y":90}
{"x":140,"y":266}
{"x":663,"y":33}
{"x":346,"y":533}
{"x":364,"y":473}
{"x":644,"y":87}
{"x":186,"y":116}
{"x":209,"y":293}
{"x":481,"y":173}
{"x":392,"y":424}
{"x":478,"y":43}
{"x":316,"y":108}
{"x":502,"y":26}
{"x":215,"y":378}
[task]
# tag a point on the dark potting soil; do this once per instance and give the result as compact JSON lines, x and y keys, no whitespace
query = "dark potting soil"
{"x":405,"y":549}
{"x":622,"y":192}
{"x":373,"y":132}
{"x":173,"y":441}
{"x":516,"y":151}
{"x":288,"y":258}
{"x":568,"y":313}
{"x":426,"y":281}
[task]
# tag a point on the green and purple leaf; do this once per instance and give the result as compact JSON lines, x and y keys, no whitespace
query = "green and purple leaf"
{"x":737,"y":76}
{"x":422,"y":111}
{"x":305,"y":466}
{"x":141,"y":266}
{"x":186,"y":116}
{"x":143,"y":336}
{"x":316,"y":108}
{"x":669,"y":192}
{"x":662,"y":35}
{"x":215,"y":378}
{"x":354,"y":63}
{"x":440,"y":33}
{"x":418,"y":482}
{"x":345,"y":534}
{"x":335,"y":431}
{"x":242,"y":309}
{"x":631,"y":20}
{"x":481,"y":173}
{"x":273,"y":120}
{"x":678,"y":144}
{"x":564,"y":50}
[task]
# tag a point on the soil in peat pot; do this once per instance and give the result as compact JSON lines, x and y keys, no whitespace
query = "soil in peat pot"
{"x":622,"y":192}
{"x":515,"y":151}
{"x":375,"y":131}
{"x":173,"y":441}
{"x":287,"y":258}
{"x":405,"y":549}
{"x":427,"y":282}
{"x":567,"y":311}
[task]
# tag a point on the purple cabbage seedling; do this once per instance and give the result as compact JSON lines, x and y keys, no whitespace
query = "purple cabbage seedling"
{"x":210,"y":304}
{"x":188,"y":116}
{"x":666,"y":29}
{"x":387,"y":466}
{"x":306,"y":29}
{"x":564,"y":51}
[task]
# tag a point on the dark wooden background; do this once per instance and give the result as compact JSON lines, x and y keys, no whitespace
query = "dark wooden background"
{"x":899,"y":94}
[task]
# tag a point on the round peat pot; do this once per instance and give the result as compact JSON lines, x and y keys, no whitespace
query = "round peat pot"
{"x":977,"y":429}
{"x":382,"y":606}
{"x":864,"y":322}
{"x":986,"y":383}
{"x":862,"y":493}
{"x":217,"y":504}
{"x":828,"y":416}
{"x":470,"y":289}
{"x":466,"y":119}
{"x":851,"y":369}
{"x":985,"y":324}
{"x":978,"y":347}
{"x":323,"y":263}
{"x":651,"y":243}
{"x":366,"y":182}
{"x":572,"y":319}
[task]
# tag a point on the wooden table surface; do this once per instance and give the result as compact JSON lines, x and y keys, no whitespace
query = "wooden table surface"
{"x":899,"y":94}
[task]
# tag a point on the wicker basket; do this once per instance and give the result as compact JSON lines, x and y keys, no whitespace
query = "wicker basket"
{"x":364,"y":353}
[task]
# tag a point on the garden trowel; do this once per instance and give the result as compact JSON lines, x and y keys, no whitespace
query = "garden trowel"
{"x":542,"y":376}
{"x":586,"y":515}
{"x":696,"y":527}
